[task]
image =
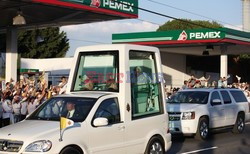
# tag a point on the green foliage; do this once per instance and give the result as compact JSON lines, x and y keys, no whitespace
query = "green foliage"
{"x":245,"y":57}
{"x":186,"y":24}
{"x":54,"y":44}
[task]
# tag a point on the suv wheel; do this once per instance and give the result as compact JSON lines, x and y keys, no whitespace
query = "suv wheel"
{"x":155,"y":146}
{"x":239,"y":125}
{"x":203,"y":129}
{"x":70,"y":150}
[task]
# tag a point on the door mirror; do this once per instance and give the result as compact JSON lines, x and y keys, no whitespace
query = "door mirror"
{"x":98,"y":122}
{"x":216,"y":102}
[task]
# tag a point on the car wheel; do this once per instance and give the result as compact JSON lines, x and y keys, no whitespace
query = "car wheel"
{"x":203,"y":129}
{"x":155,"y":146}
{"x":239,"y":125}
{"x":70,"y":150}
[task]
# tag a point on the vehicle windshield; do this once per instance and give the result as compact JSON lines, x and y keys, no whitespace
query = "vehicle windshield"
{"x":74,"y":108}
{"x":97,"y":71}
{"x":193,"y":97}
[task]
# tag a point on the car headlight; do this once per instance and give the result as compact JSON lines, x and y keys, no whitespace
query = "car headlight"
{"x":39,"y":146}
{"x":188,"y":115}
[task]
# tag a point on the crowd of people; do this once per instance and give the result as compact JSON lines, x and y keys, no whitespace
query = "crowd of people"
{"x":204,"y":82}
{"x":18,"y":99}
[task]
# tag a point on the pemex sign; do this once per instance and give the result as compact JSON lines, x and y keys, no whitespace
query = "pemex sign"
{"x":174,"y":36}
{"x":200,"y":35}
{"x":129,"y":7}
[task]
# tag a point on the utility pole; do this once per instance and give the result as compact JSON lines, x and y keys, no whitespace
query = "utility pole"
{"x":246,"y":15}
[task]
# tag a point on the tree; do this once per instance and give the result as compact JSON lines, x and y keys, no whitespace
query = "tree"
{"x":53,"y":44}
{"x":187,"y":24}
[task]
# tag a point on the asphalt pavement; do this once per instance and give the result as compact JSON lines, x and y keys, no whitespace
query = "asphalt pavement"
{"x":220,"y":142}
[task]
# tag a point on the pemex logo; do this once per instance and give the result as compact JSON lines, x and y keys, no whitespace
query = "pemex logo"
{"x":183,"y":36}
{"x":95,"y":3}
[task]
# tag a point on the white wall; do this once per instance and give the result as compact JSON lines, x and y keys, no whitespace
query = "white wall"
{"x":174,"y":69}
{"x":53,"y":65}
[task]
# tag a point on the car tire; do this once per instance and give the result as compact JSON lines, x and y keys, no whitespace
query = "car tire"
{"x":155,"y":146}
{"x":70,"y":150}
{"x":239,"y":125}
{"x":202,"y":129}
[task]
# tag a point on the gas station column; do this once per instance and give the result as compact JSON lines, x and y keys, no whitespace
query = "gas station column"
{"x":223,"y":62}
{"x":11,"y":55}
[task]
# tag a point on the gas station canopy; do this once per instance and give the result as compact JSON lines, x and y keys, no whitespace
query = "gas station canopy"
{"x":34,"y":14}
{"x":191,"y":42}
{"x":198,"y":42}
{"x":43,"y":13}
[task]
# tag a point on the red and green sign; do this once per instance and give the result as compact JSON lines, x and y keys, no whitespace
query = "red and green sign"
{"x":125,"y":8}
{"x":176,"y":35}
{"x":184,"y":37}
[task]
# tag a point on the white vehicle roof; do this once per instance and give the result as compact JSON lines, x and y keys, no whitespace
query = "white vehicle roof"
{"x":209,"y":89}
{"x":87,"y":94}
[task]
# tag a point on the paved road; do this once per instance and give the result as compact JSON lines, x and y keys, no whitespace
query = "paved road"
{"x":223,"y":142}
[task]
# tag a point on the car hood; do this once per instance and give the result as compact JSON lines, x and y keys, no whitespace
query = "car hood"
{"x":183,"y":107}
{"x":28,"y":128}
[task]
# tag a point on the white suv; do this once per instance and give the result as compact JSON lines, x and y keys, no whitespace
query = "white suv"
{"x":197,"y":111}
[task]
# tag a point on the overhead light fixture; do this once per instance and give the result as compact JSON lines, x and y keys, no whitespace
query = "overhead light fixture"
{"x":19,"y":19}
{"x":205,"y":53}
{"x":210,"y":48}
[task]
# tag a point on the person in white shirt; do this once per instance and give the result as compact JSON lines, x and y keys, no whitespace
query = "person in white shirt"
{"x":57,"y":108}
{"x":16,"y":108}
{"x":63,"y":85}
{"x":1,"y":113}
{"x":7,"y":112}
{"x":24,"y":108}
{"x":32,"y":105}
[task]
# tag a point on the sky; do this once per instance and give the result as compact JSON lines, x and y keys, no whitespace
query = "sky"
{"x":226,"y":12}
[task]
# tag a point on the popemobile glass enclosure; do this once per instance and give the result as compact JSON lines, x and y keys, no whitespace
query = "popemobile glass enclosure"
{"x":131,"y":71}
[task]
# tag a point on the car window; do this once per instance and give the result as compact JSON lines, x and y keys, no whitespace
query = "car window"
{"x":192,"y":97}
{"x":58,"y":107}
{"x":109,"y":109}
{"x":226,"y":97}
{"x":145,"y":87}
{"x":238,"y":96}
{"x":215,"y":95}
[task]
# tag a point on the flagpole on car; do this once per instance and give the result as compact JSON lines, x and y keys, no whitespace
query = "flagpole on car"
{"x":60,"y":139}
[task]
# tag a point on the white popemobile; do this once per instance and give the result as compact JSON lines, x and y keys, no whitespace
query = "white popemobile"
{"x":115,"y":104}
{"x":197,"y":111}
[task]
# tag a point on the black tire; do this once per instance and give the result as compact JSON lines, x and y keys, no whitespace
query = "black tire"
{"x":155,"y":146}
{"x":202,"y":129}
{"x":70,"y":150}
{"x":239,"y":125}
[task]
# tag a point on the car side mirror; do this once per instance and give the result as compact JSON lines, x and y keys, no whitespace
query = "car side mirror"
{"x":216,"y":102}
{"x":98,"y":122}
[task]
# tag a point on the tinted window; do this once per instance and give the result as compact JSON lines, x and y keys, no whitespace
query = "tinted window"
{"x":238,"y":96}
{"x":58,"y":107}
{"x":226,"y":97}
{"x":145,"y":88}
{"x":194,"y":97}
{"x":215,"y":95}
{"x":109,"y":109}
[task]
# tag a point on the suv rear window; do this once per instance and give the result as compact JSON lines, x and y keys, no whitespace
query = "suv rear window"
{"x":238,"y":96}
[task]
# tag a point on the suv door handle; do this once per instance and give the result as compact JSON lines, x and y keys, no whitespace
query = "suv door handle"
{"x":121,"y":127}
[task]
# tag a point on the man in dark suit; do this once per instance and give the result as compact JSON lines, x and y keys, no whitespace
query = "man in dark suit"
{"x":72,"y":113}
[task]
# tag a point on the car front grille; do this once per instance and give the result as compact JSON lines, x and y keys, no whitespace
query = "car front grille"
{"x":10,"y":145}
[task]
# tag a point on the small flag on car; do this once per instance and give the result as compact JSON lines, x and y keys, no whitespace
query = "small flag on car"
{"x":64,"y":123}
